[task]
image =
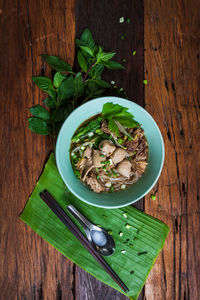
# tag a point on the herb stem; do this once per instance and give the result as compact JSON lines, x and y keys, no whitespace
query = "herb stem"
{"x":88,"y":71}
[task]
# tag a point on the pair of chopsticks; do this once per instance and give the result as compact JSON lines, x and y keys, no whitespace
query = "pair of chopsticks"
{"x":59,"y":212}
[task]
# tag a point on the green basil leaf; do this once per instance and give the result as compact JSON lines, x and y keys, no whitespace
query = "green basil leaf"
{"x":96,"y":49}
{"x":113,"y":127}
{"x":111,"y":64}
{"x":38,"y":126}
{"x":45,"y":84}
{"x":66,"y":89}
{"x":110,"y":109}
{"x":98,"y":92}
{"x":104,"y":56}
{"x":56,"y":63}
{"x":127,"y":122}
{"x":40,"y":112}
{"x":49,"y":102}
{"x":79,"y":85}
{"x":82,"y":61}
{"x":102,"y":83}
{"x":87,"y":38}
{"x":58,"y":79}
{"x":92,"y":86}
{"x":87,"y":50}
{"x":96,"y":71}
{"x":80,"y":43}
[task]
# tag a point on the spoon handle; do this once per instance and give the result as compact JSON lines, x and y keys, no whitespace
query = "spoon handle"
{"x":82,"y":220}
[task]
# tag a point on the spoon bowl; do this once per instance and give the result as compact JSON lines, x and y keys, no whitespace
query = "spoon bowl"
{"x":98,"y":237}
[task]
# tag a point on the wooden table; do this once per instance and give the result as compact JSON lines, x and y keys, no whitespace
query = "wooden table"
{"x":165,"y":36}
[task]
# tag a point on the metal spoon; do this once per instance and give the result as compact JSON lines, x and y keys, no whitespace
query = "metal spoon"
{"x":99,"y":238}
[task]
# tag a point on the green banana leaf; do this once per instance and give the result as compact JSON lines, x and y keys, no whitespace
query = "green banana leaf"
{"x":140,"y":244}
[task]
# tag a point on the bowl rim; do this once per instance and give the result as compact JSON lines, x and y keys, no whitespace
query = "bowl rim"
{"x":60,"y":169}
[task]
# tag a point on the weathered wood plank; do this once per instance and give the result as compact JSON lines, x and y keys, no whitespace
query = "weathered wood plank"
{"x":102,"y":18}
{"x":172,"y":97}
{"x":30,"y":268}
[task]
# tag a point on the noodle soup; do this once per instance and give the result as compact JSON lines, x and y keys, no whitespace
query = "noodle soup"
{"x":105,"y":154}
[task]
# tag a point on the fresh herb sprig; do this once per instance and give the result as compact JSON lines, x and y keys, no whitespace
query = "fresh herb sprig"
{"x":69,"y":89}
{"x":116,"y":114}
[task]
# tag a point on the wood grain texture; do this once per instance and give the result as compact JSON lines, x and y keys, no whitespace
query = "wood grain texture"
{"x":172,"y":97}
{"x":30,"y":268}
{"x":102,"y":18}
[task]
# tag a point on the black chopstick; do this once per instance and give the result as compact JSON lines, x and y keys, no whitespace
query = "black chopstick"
{"x":54,"y":206}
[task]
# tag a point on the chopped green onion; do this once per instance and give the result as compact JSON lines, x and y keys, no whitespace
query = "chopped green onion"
{"x":125,"y":215}
{"x":98,"y":177}
{"x":120,"y":233}
{"x":108,"y":184}
{"x":123,"y":251}
{"x":127,"y":240}
{"x":82,"y":148}
{"x":141,"y":253}
{"x":122,"y":37}
{"x":115,"y":86}
{"x":109,"y":232}
{"x":101,"y":146}
{"x":124,"y":60}
{"x":128,"y":21}
{"x":120,"y":141}
{"x":145,"y":81}
{"x":90,"y":134}
{"x":153,"y":197}
{"x":128,"y":226}
{"x":112,"y":188}
{"x":134,"y":52}
{"x":114,"y":173}
{"x":123,"y":186}
{"x":97,"y":169}
{"x":104,"y":168}
{"x":112,"y":82}
{"x":98,"y":130}
{"x":102,"y":155}
{"x":121,"y":20}
{"x":134,"y":152}
{"x":121,"y":89}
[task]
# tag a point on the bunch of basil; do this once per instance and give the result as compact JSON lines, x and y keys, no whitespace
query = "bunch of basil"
{"x":68,"y":89}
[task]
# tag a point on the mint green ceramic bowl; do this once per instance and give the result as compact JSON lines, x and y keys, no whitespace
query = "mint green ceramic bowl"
{"x":134,"y":192}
